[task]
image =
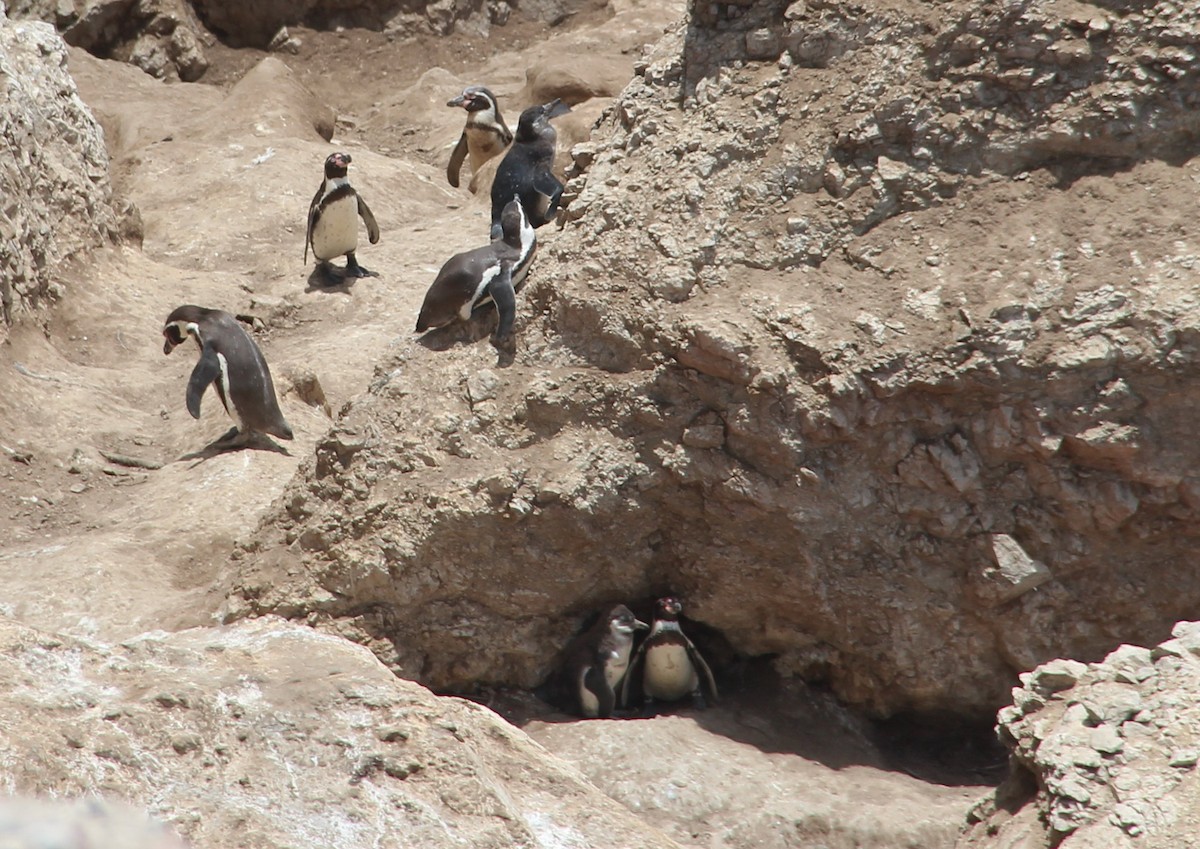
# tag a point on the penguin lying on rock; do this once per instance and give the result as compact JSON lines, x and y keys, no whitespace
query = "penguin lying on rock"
{"x":231,"y":361}
{"x":333,"y":219}
{"x":491,"y":273}
{"x":672,"y":667}
{"x":526,"y":171}
{"x":599,"y":660}
{"x":485,"y":134}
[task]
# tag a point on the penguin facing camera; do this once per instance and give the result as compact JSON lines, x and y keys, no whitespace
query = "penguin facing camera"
{"x":526,"y":171}
{"x":485,"y":135}
{"x":333,"y":220}
{"x":672,"y":666}
{"x":231,"y":361}
{"x":598,"y":662}
{"x":493,"y":273}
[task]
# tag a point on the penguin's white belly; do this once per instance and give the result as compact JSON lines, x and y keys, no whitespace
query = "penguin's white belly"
{"x":336,"y":231}
{"x":669,"y":673}
{"x":482,"y":145}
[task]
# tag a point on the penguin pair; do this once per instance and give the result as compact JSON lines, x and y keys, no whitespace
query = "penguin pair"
{"x":491,"y":274}
{"x":333,"y":220}
{"x":672,"y":666}
{"x":231,"y":361}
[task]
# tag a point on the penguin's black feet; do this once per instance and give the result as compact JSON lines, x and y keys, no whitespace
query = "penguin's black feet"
{"x":698,"y":701}
{"x":353,"y":269}
{"x":233,"y":438}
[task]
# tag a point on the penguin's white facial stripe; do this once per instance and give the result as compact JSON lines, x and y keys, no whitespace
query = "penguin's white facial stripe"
{"x":488,"y":276}
{"x":332,"y":183}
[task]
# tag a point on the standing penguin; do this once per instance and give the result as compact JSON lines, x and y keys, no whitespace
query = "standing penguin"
{"x":491,"y":273}
{"x":230,"y":360}
{"x":525,"y":169}
{"x":333,"y":218}
{"x":599,"y":660}
{"x":672,"y":665}
{"x":485,"y":135}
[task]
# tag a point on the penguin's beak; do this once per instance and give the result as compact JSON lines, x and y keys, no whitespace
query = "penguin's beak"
{"x":639,"y":625}
{"x":168,"y":346}
{"x":461,"y":100}
{"x":555,"y":108}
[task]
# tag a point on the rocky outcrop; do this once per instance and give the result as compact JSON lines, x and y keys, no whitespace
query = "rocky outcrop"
{"x":54,"y":171}
{"x":256,"y":24}
{"x":275,"y":731}
{"x":830,"y":377}
{"x":1104,"y":754}
{"x":162,"y":37}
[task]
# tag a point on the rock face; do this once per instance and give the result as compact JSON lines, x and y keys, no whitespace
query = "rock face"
{"x":808,"y":353}
{"x":256,"y":24}
{"x":54,"y":171}
{"x":162,"y":37}
{"x":1104,"y":754}
{"x":274,"y":733}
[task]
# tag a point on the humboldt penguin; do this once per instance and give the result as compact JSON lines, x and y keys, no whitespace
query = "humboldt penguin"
{"x":525,"y":170}
{"x":600,"y":659}
{"x":672,"y":666}
{"x":485,"y":135}
{"x":231,"y":361}
{"x":333,"y":219}
{"x":494,"y":273}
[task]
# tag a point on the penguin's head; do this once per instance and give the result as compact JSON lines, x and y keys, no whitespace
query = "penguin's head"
{"x":336,"y":165}
{"x":180,"y":324}
{"x":622,"y":621}
{"x":668,"y":608}
{"x":535,"y":121}
{"x":513,"y":221}
{"x":475,"y":98}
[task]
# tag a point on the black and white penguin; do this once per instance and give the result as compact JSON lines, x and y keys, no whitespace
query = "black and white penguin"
{"x":333,"y":218}
{"x":600,"y":659}
{"x":230,"y":360}
{"x":485,"y":135}
{"x":525,"y":170}
{"x":672,"y":666}
{"x":494,"y":272}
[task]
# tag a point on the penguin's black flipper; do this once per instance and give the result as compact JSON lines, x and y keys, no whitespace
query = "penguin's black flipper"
{"x":206,"y":371}
{"x":638,"y":656}
{"x":503,"y":295}
{"x":456,"y":160}
{"x":594,"y":681}
{"x":364,"y":212}
{"x":701,"y":665}
{"x":314,"y":212}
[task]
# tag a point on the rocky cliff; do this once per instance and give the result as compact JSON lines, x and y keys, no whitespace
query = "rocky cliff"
{"x":869,"y":332}
{"x":53,"y":174}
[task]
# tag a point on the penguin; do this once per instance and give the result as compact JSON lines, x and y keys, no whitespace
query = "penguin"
{"x":494,"y":272}
{"x":230,"y":360}
{"x":672,"y":666}
{"x":599,"y":660}
{"x":333,"y":218}
{"x":525,"y":169}
{"x":485,"y":135}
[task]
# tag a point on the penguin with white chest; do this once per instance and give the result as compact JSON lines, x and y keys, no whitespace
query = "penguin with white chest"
{"x":672,"y":667}
{"x":493,"y":273}
{"x":485,"y":135}
{"x":525,"y":171}
{"x":599,"y":662}
{"x":333,"y":219}
{"x":231,"y":361}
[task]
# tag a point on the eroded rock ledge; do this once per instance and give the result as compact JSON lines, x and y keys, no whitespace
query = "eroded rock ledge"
{"x":955,"y":449}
